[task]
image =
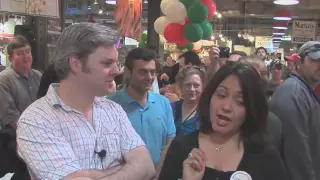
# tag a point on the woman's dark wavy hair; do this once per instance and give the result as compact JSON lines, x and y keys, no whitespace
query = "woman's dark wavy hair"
{"x":255,"y":102}
{"x":49,"y":76}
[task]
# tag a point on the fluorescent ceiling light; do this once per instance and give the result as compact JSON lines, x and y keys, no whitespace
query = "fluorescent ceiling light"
{"x":286,"y":2}
{"x":280,"y":27}
{"x":282,"y":18}
{"x":278,"y":33}
{"x":112,"y":2}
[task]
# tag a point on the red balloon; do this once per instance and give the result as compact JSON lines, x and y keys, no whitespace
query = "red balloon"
{"x":173,"y":32}
{"x":186,"y":21}
{"x":182,"y":42}
{"x":212,"y":8}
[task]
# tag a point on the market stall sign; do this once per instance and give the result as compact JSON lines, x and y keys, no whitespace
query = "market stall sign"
{"x":31,"y":7}
{"x":303,"y":31}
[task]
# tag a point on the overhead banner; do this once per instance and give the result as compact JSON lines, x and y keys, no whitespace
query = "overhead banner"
{"x":303,"y":31}
{"x":31,"y":7}
{"x":264,"y":41}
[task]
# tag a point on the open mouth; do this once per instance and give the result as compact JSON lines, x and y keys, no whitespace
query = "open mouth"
{"x":223,"y":120}
{"x":191,"y":94}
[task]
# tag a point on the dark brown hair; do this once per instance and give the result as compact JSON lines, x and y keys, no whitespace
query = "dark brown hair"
{"x":17,"y":42}
{"x":265,"y":50}
{"x":255,"y":102}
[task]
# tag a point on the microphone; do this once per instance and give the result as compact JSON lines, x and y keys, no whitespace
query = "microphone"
{"x":101,"y":154}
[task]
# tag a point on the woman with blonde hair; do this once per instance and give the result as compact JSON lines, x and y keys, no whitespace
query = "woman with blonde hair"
{"x":190,"y":81}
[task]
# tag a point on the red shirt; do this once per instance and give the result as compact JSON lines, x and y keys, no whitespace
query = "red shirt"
{"x":317,"y":90}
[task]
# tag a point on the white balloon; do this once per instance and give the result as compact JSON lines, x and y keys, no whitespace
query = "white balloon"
{"x":164,"y":4}
{"x":160,"y":24}
{"x":176,"y":11}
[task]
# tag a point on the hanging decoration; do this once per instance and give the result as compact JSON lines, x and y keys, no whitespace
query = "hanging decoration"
{"x":143,"y":41}
{"x":282,"y":14}
{"x":128,"y":18}
{"x":185,"y":21}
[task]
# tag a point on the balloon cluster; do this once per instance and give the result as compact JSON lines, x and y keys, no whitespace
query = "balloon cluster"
{"x":143,"y":42}
{"x":185,"y":21}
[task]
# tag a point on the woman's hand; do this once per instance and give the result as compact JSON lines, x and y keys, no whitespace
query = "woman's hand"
{"x":172,"y":97}
{"x":194,"y":165}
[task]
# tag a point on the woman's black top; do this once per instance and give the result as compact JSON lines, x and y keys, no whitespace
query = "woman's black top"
{"x":261,"y":163}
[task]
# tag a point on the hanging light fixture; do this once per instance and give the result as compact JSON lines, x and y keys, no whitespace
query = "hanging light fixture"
{"x":283,"y":14}
{"x":286,"y":2}
{"x":280,"y":25}
{"x":278,"y":32}
{"x":95,"y":2}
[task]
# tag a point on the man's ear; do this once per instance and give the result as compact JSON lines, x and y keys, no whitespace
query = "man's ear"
{"x":10,"y":58}
{"x":75,"y":65}
{"x":126,"y":75}
{"x":126,"y":72}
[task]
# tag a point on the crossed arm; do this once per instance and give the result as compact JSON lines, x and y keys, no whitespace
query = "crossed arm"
{"x":138,"y":166}
{"x":50,"y":156}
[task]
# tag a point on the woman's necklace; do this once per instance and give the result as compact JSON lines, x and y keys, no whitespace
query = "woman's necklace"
{"x":219,"y":149}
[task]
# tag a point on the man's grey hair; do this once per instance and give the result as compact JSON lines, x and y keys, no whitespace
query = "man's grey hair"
{"x":80,"y":40}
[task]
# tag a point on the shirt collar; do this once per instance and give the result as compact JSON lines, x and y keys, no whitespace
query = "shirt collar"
{"x":55,"y":100}
{"x":18,"y":75}
{"x":150,"y":97}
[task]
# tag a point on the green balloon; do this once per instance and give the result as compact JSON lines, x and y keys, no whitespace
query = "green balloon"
{"x":193,"y":32}
{"x":142,"y":44}
{"x":181,"y":47}
{"x":144,"y":37}
{"x":197,"y":12}
{"x":207,"y":29}
{"x":188,"y":3}
{"x":190,"y":47}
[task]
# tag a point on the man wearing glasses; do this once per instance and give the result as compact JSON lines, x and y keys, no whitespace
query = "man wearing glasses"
{"x":298,"y":107}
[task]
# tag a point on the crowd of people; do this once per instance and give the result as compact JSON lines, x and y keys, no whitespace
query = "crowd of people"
{"x":240,"y":117}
